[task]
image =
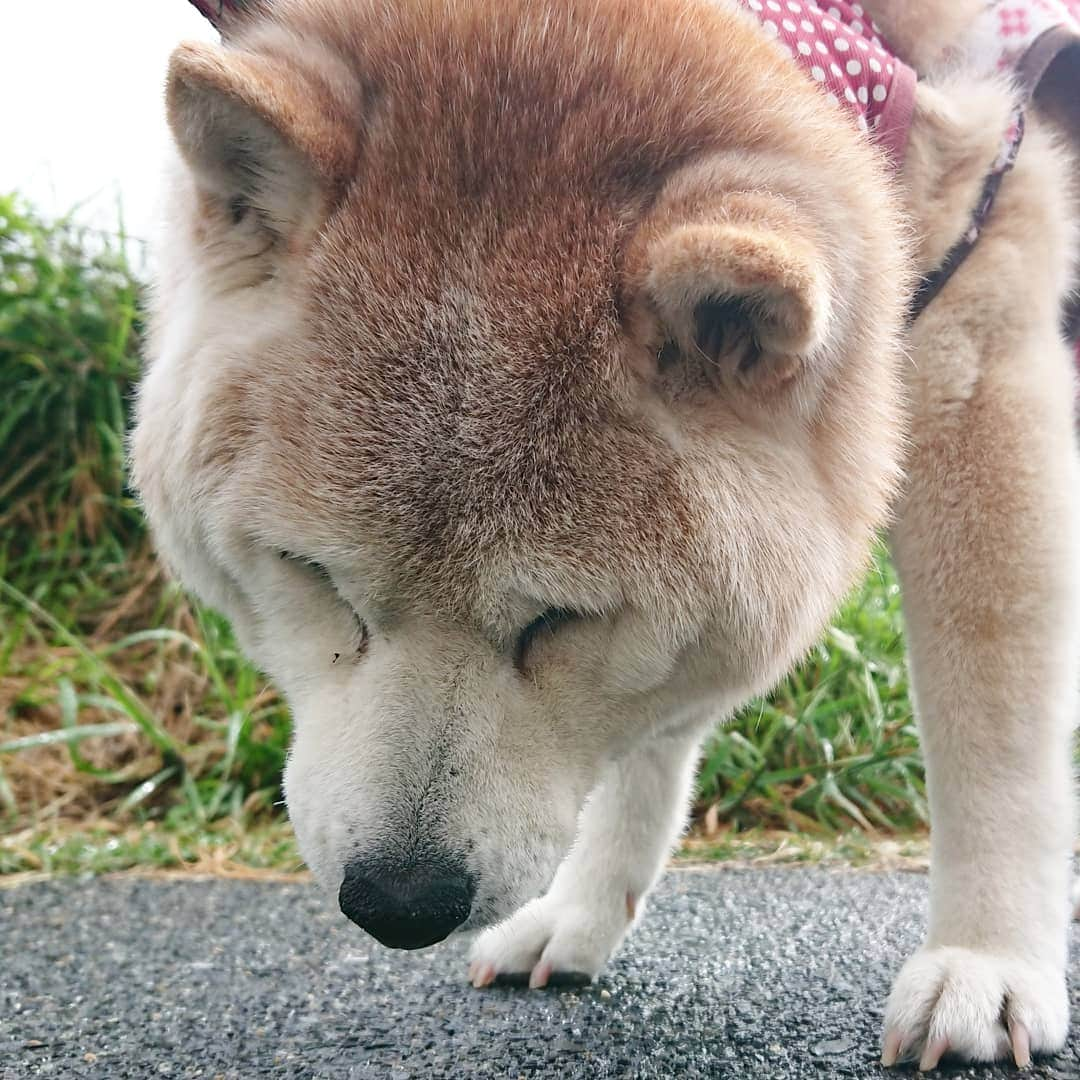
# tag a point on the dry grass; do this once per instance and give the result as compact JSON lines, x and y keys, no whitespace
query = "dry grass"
{"x":59,"y":688}
{"x":226,"y":848}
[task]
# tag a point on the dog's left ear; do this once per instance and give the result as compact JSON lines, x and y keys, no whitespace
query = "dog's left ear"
{"x":226,"y":15}
{"x":261,"y":134}
{"x":739,"y":295}
{"x":734,"y":284}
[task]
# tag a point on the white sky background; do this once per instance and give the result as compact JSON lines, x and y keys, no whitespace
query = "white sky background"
{"x":81,"y":107}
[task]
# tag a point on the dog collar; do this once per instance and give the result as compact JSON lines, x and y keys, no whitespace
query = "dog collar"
{"x":1021,"y":38}
{"x":934,"y":282}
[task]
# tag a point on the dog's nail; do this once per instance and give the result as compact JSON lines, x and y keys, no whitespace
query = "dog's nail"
{"x":1021,"y":1044}
{"x":539,"y":977}
{"x":483,"y":976}
{"x":933,"y":1054}
{"x":890,"y":1051}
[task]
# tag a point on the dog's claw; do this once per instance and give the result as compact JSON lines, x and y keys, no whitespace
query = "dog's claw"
{"x":933,"y":1054}
{"x":890,"y":1051}
{"x":1021,"y":1044}
{"x":481,"y":975}
{"x":540,"y":976}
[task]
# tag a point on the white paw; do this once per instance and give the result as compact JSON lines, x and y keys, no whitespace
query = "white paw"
{"x":975,"y":1005}
{"x":551,"y":936}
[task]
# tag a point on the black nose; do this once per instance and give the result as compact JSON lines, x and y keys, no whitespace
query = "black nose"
{"x":407,"y":908}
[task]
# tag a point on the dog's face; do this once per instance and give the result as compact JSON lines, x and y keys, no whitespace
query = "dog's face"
{"x":509,"y":393}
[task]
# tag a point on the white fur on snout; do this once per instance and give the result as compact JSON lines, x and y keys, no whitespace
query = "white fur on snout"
{"x":433,"y":744}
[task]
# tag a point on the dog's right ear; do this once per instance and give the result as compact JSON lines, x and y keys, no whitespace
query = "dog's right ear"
{"x":260,"y":135}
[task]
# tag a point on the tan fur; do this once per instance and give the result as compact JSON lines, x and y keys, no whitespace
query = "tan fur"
{"x":446,"y":194}
{"x":925,"y":32}
{"x":955,"y":137}
{"x":986,"y":540}
{"x":493,"y":308}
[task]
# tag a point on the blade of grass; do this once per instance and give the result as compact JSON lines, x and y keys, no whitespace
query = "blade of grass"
{"x":134,"y":708}
{"x":64,"y":736}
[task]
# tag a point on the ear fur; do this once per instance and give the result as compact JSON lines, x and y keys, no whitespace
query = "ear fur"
{"x":257,"y":132}
{"x":748,"y":299}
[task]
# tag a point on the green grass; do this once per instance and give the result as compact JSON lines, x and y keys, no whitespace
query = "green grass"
{"x":229,"y":846}
{"x":834,"y":746}
{"x":69,"y":325}
{"x":133,"y":732}
{"x":118,"y":696}
{"x":773,"y":847}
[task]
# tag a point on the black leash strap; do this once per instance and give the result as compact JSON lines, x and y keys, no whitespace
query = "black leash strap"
{"x":933,"y":283}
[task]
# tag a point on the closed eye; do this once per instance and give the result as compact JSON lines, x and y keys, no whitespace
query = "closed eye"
{"x":361,"y":635}
{"x":360,"y":641}
{"x":316,"y":568}
{"x":548,"y":624}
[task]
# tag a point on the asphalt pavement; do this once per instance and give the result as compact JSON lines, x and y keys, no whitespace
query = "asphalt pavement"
{"x":733,"y":973}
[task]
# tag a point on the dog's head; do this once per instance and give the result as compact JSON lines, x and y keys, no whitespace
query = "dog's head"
{"x":522,"y":385}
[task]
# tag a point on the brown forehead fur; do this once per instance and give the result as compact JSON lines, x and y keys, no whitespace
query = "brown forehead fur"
{"x":464,"y":378}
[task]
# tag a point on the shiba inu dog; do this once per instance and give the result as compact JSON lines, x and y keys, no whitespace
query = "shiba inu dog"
{"x":527,"y":382}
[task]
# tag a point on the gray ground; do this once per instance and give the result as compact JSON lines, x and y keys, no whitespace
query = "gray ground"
{"x":734,"y":973}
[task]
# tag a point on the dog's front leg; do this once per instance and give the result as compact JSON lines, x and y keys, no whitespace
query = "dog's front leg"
{"x":626,"y":832}
{"x":987,"y":547}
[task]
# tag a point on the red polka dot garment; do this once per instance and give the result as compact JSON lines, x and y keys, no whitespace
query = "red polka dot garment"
{"x":840,"y":47}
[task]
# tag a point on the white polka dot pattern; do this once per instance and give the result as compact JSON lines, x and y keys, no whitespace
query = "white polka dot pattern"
{"x":841,"y":49}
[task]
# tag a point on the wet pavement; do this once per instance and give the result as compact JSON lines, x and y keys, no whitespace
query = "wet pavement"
{"x":733,"y":973}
